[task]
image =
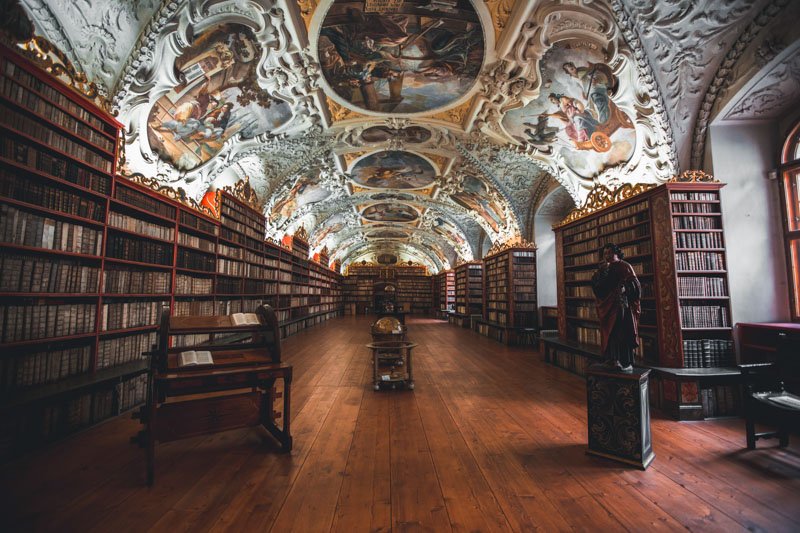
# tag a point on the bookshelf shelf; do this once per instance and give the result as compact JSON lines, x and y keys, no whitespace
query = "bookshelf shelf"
{"x":510,"y":307}
{"x":651,"y":227}
{"x":99,"y":256}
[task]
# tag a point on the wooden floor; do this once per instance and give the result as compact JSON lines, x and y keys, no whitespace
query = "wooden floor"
{"x":492,"y":439}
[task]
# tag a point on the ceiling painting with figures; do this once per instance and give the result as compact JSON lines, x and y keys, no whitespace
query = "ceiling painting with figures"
{"x":218,"y":96}
{"x":426,"y":130}
{"x":412,"y":58}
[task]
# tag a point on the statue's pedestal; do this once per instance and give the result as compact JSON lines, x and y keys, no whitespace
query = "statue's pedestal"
{"x":619,"y":415}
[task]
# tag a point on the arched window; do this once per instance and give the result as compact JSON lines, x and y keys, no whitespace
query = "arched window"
{"x":790,"y":183}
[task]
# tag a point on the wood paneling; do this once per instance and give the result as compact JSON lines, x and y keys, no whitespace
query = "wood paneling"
{"x":491,"y":439}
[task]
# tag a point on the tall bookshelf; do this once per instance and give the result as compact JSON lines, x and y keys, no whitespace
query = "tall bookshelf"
{"x":415,"y":292}
{"x":413,"y":285}
{"x":469,"y":294}
{"x":89,"y":259}
{"x":672,"y":235}
{"x":510,"y":312}
{"x":58,"y":156}
{"x":446,"y":292}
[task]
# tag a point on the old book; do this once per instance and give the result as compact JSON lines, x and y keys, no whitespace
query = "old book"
{"x":245,"y":319}
{"x":192,"y":358}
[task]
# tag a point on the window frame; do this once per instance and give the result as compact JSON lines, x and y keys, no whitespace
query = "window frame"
{"x":789,"y":178}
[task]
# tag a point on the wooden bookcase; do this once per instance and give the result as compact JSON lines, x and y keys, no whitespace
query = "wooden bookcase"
{"x":414,"y":292}
{"x":445,"y":292}
{"x":469,"y":294}
{"x":413,"y":285}
{"x":510,"y":310}
{"x":673,"y":237}
{"x":89,"y":259}
{"x":58,"y":156}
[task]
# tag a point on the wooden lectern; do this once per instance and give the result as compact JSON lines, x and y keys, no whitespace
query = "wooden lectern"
{"x":246,"y":365}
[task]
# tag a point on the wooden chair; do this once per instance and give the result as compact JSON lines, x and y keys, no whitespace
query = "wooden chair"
{"x":247,"y":363}
{"x":766,"y":399}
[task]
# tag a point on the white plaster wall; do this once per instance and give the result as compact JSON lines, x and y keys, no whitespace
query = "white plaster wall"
{"x":741,"y":155}
{"x":546,"y":258}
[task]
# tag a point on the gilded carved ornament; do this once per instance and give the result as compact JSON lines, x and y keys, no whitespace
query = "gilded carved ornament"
{"x":52,"y":60}
{"x":500,"y":10}
{"x":601,"y":196}
{"x":514,"y":242}
{"x":339,"y":112}
{"x":242,"y":191}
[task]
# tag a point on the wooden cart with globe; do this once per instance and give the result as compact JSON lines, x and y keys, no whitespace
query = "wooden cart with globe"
{"x":391,"y":355}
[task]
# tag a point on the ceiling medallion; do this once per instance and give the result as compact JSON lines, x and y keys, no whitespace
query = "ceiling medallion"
{"x":393,"y":169}
{"x":385,"y":58}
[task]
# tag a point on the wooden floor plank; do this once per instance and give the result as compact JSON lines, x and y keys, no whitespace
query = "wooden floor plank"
{"x":491,"y":439}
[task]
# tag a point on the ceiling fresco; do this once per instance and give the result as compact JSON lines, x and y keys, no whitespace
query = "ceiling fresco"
{"x":409,"y":56}
{"x":419,"y":129}
{"x":393,"y":170}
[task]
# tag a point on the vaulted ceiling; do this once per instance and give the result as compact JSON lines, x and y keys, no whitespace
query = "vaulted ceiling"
{"x":414,"y":129}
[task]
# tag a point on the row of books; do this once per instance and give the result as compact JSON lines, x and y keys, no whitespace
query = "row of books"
{"x":23,"y":273}
{"x":179,"y":341}
{"x":240,"y":227}
{"x":45,"y":366}
{"x":704,"y":316}
{"x":193,"y":307}
{"x":721,"y":400}
{"x":192,"y":221}
{"x":196,"y":242}
{"x":55,"y":165}
{"x":707,"y":353}
{"x":33,"y":321}
{"x":579,"y":291}
{"x":701,"y":286}
{"x":229,"y":267}
{"x":136,"y":282}
{"x":129,"y":248}
{"x":254,"y":286}
{"x":143,"y":201}
{"x":237,"y":212}
{"x":698,"y":240}
{"x":142,"y":227}
{"x":229,"y":285}
{"x":699,"y":261}
{"x":234,"y":252}
{"x":13,"y":70}
{"x":34,"y":192}
{"x":131,"y":392}
{"x":620,"y":224}
{"x":582,"y":310}
{"x":583,"y":334}
{"x":195,"y":261}
{"x":696,"y":222}
{"x":695,"y":208}
{"x":124,"y":315}
{"x":228,"y":307}
{"x":125,"y":349}
{"x":632,"y":212}
{"x":38,"y":105}
{"x":232,"y":236}
{"x":632,"y":234}
{"x":75,"y":413}
{"x":29,"y":229}
{"x":694,"y":196}
{"x":57,"y":141}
